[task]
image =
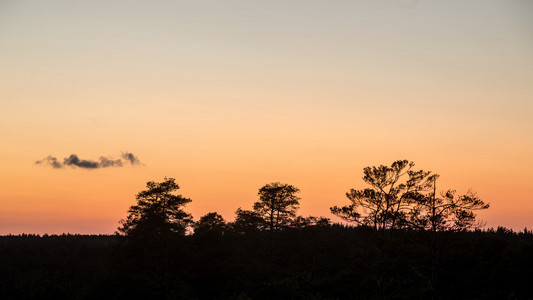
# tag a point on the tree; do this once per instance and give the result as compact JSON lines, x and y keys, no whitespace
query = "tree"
{"x":247,"y":221}
{"x":434,"y":215}
{"x":277,"y":204}
{"x":450,"y":212}
{"x":384,"y":205}
{"x":210,"y":224}
{"x":158,"y":211}
{"x":399,"y":197}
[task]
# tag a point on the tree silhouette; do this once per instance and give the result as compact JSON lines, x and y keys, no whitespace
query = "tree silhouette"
{"x":435,"y":215}
{"x":385,"y":204}
{"x":211,"y":223}
{"x":157,"y":211}
{"x":445,"y":213}
{"x":247,"y":221}
{"x":277,"y":204}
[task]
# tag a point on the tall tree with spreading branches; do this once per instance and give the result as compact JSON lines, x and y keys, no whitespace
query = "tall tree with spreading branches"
{"x":158,"y":211}
{"x":449,"y":212}
{"x":277,"y":204}
{"x":385,"y":203}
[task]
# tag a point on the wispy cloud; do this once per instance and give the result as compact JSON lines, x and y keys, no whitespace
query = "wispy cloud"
{"x":132,"y":159}
{"x":74,"y":161}
{"x":51,"y":161}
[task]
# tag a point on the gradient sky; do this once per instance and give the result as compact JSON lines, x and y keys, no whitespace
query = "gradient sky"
{"x":226,"y":96}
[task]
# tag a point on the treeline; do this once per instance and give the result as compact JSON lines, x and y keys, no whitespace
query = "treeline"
{"x":397,"y":198}
{"x":401,"y":241}
{"x":312,"y":262}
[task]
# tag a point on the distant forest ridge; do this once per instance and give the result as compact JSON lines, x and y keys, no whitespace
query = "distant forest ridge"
{"x":314,"y":262}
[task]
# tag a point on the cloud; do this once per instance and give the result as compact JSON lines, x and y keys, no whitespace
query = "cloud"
{"x":109,"y":162}
{"x":51,"y":161}
{"x":74,"y":161}
{"x":132,"y":159}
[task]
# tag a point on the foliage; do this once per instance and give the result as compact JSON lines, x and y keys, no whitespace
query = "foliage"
{"x":315,"y":262}
{"x":211,"y":223}
{"x":400,"y":197}
{"x":303,"y":222}
{"x":277,"y":204}
{"x":310,"y":259}
{"x":158,"y":211}
{"x":450,"y":212}
{"x":247,"y":221}
{"x":384,"y":204}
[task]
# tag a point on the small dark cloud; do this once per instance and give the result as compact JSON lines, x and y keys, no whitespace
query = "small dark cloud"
{"x":105,"y":162}
{"x":109,"y":162}
{"x":132,"y":159}
{"x":73,"y":160}
{"x":51,"y":161}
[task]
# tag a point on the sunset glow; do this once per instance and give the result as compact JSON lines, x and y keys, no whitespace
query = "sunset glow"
{"x":226,"y":96}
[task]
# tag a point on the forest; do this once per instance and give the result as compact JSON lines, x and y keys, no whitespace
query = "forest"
{"x":399,"y":239}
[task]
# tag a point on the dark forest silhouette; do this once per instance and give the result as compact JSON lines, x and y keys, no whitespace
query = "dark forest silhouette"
{"x":402,"y":240}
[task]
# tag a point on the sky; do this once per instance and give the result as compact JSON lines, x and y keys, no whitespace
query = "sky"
{"x":227,"y":96}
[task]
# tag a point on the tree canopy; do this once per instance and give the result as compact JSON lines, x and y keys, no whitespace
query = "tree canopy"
{"x":277,"y":204}
{"x":448,"y":212}
{"x":383,"y":204}
{"x":211,"y":223}
{"x":400,"y":197}
{"x":433,"y":256}
{"x":247,"y":221}
{"x":158,"y":211}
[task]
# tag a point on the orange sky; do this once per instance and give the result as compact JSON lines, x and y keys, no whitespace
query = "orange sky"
{"x":226,"y":98}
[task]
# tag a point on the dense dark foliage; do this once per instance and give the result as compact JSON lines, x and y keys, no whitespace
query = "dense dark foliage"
{"x":158,"y":211}
{"x":410,"y":244}
{"x":312,"y":262}
{"x":277,"y":204}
